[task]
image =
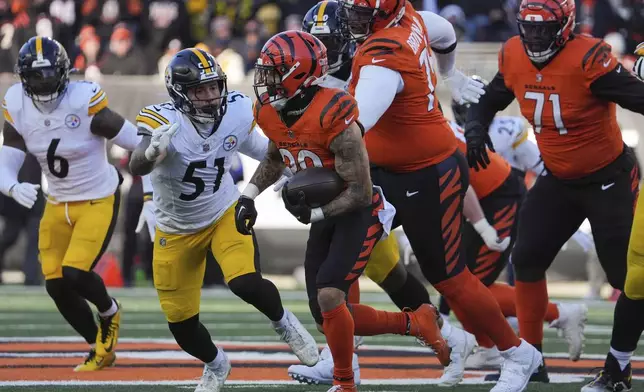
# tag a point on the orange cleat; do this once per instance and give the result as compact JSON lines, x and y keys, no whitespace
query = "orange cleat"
{"x":424,"y":326}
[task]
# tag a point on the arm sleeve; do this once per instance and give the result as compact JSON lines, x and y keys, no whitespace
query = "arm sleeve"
{"x":497,"y":97}
{"x":11,"y":159}
{"x":375,"y":91}
{"x":255,"y":145}
{"x":127,"y":137}
{"x":621,"y":87}
{"x":442,"y":39}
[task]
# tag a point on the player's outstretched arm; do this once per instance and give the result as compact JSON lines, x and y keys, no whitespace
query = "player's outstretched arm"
{"x":139,"y":164}
{"x":268,"y":172}
{"x":622,"y":87}
{"x":12,"y":156}
{"x":352,"y":165}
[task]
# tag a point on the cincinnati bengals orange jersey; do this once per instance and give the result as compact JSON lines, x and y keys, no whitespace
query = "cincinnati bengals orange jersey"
{"x":306,"y":143}
{"x":484,"y":181}
{"x":577,"y":133}
{"x":412,"y":133}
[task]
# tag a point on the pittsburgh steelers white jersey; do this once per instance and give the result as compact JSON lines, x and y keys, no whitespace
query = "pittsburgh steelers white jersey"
{"x":192,"y":185}
{"x":507,"y":133}
{"x":73,"y":159}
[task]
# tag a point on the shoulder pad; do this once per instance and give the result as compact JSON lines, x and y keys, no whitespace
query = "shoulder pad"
{"x":339,"y":112}
{"x":85,"y":94}
{"x":155,"y":116}
{"x":390,"y":51}
{"x":241,"y":107}
{"x":598,"y":52}
{"x":13,"y":98}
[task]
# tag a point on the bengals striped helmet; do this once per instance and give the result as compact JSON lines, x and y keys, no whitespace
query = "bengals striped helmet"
{"x":545,"y":26}
{"x":289,"y":62}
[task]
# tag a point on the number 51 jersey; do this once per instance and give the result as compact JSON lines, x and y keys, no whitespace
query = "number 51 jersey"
{"x":192,"y":184}
{"x":73,"y":159}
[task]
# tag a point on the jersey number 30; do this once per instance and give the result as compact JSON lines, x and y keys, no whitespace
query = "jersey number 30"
{"x":200,"y":185}
{"x":63,"y":165}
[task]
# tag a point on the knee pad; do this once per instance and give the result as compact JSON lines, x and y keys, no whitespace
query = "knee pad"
{"x":246,"y":286}
{"x":525,"y":273}
{"x":184,"y":330}
{"x":56,"y":288}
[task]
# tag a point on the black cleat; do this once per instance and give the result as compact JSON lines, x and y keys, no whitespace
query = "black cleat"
{"x":611,"y":378}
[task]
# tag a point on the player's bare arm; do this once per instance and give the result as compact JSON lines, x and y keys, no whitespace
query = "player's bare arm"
{"x":139,"y":164}
{"x":352,"y":165}
{"x":107,"y":123}
{"x":12,"y":138}
{"x":270,"y":169}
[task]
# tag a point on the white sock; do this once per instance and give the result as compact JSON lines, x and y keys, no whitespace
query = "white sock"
{"x":111,"y":311}
{"x":92,"y":346}
{"x":622,"y":358}
{"x":446,"y":329}
{"x":283,"y":322}
{"x":219,"y":359}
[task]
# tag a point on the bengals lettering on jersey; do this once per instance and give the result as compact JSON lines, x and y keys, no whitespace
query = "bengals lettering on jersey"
{"x":577,"y":132}
{"x":412,"y":133}
{"x":306,"y":143}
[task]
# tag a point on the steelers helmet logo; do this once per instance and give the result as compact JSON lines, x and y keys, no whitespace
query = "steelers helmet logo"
{"x":72,"y":121}
{"x":230,"y":142}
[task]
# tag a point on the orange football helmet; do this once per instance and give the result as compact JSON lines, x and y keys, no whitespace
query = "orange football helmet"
{"x":545,"y":26}
{"x":361,"y":18}
{"x":289,"y":62}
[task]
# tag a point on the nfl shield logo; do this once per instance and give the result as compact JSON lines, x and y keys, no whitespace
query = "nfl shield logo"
{"x":539,"y":78}
{"x":291,"y":134}
{"x":206,"y":147}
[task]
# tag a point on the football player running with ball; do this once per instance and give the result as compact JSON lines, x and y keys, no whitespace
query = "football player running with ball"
{"x":567,"y":86}
{"x":313,"y":126}
{"x":66,"y":125}
{"x":188,"y":146}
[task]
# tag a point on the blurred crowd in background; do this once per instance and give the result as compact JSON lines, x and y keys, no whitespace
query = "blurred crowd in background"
{"x":137,"y":37}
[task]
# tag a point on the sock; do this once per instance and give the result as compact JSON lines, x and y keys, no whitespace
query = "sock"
{"x":219,"y":358}
{"x":552,"y":312}
{"x":623,"y":358}
{"x":532,"y":305}
{"x":73,"y":308}
{"x":628,"y":322}
{"x":443,"y":306}
{"x":338,"y":328}
{"x":281,"y":322}
{"x":410,"y":295}
{"x":353,"y":297}
{"x":506,"y":297}
{"x":472,"y":327}
{"x":194,"y":339}
{"x":370,"y":322}
{"x":474,"y":302}
{"x":111,"y":311}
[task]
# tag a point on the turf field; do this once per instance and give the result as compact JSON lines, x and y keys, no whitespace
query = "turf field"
{"x":38,"y":350}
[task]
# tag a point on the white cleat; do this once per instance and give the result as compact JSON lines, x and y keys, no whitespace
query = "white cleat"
{"x":293,"y":333}
{"x":322,"y":372}
{"x":462,"y":344}
{"x":570,"y":324}
{"x":518,"y":365}
{"x":514,"y":323}
{"x":357,"y":342}
{"x":485,"y":358}
{"x":212,"y":380}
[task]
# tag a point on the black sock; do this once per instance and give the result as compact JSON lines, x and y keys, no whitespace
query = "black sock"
{"x":73,"y":308}
{"x":259,"y":292}
{"x":443,"y":306}
{"x":411,"y":294}
{"x":628,"y":323}
{"x":194,"y":339}
{"x":90,"y":286}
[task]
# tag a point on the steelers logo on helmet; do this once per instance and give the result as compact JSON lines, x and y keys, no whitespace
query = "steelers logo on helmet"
{"x":197,"y":85}
{"x":43,"y":67}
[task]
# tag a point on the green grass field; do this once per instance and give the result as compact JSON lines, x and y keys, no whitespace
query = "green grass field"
{"x":38,"y":350}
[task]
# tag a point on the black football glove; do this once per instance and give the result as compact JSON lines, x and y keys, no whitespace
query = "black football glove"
{"x":245,"y":215}
{"x":301,"y":211}
{"x":477,"y":139}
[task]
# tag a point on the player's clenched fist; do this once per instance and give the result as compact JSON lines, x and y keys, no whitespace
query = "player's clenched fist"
{"x":160,"y":141}
{"x":24,"y":194}
{"x":245,"y":215}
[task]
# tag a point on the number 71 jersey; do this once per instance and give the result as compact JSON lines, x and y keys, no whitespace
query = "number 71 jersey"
{"x":577,"y":133}
{"x":192,"y":184}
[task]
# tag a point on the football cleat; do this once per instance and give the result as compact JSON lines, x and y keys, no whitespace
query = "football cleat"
{"x":343,"y":388}
{"x":293,"y":333}
{"x":108,"y":332}
{"x":518,"y":366}
{"x":322,"y":372}
{"x":95,"y":362}
{"x":462,"y":344}
{"x":485,"y":358}
{"x":611,"y":379}
{"x":424,"y":326}
{"x":213,"y":379}
{"x":570,"y":324}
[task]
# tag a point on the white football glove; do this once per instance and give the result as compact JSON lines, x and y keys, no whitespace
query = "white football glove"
{"x":490,"y":236}
{"x":286,"y":176}
{"x":147,"y":218}
{"x":464,"y":89}
{"x":160,"y":141}
{"x":24,"y":193}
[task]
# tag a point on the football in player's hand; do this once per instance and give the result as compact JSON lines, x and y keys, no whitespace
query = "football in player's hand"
{"x":319,"y":185}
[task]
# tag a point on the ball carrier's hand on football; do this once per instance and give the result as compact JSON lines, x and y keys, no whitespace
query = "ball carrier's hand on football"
{"x":478,"y":141}
{"x":300,"y":210}
{"x":160,"y":141}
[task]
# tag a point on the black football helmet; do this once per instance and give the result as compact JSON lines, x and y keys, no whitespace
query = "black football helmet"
{"x":322,"y":22}
{"x":191,"y":68}
{"x":43,"y":67}
{"x":460,"y":110}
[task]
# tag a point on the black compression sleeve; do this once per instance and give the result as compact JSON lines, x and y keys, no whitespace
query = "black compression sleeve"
{"x":497,"y":97}
{"x":621,"y":87}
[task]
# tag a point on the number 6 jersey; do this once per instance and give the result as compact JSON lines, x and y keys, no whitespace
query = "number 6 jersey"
{"x":73,"y":159}
{"x":192,"y":184}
